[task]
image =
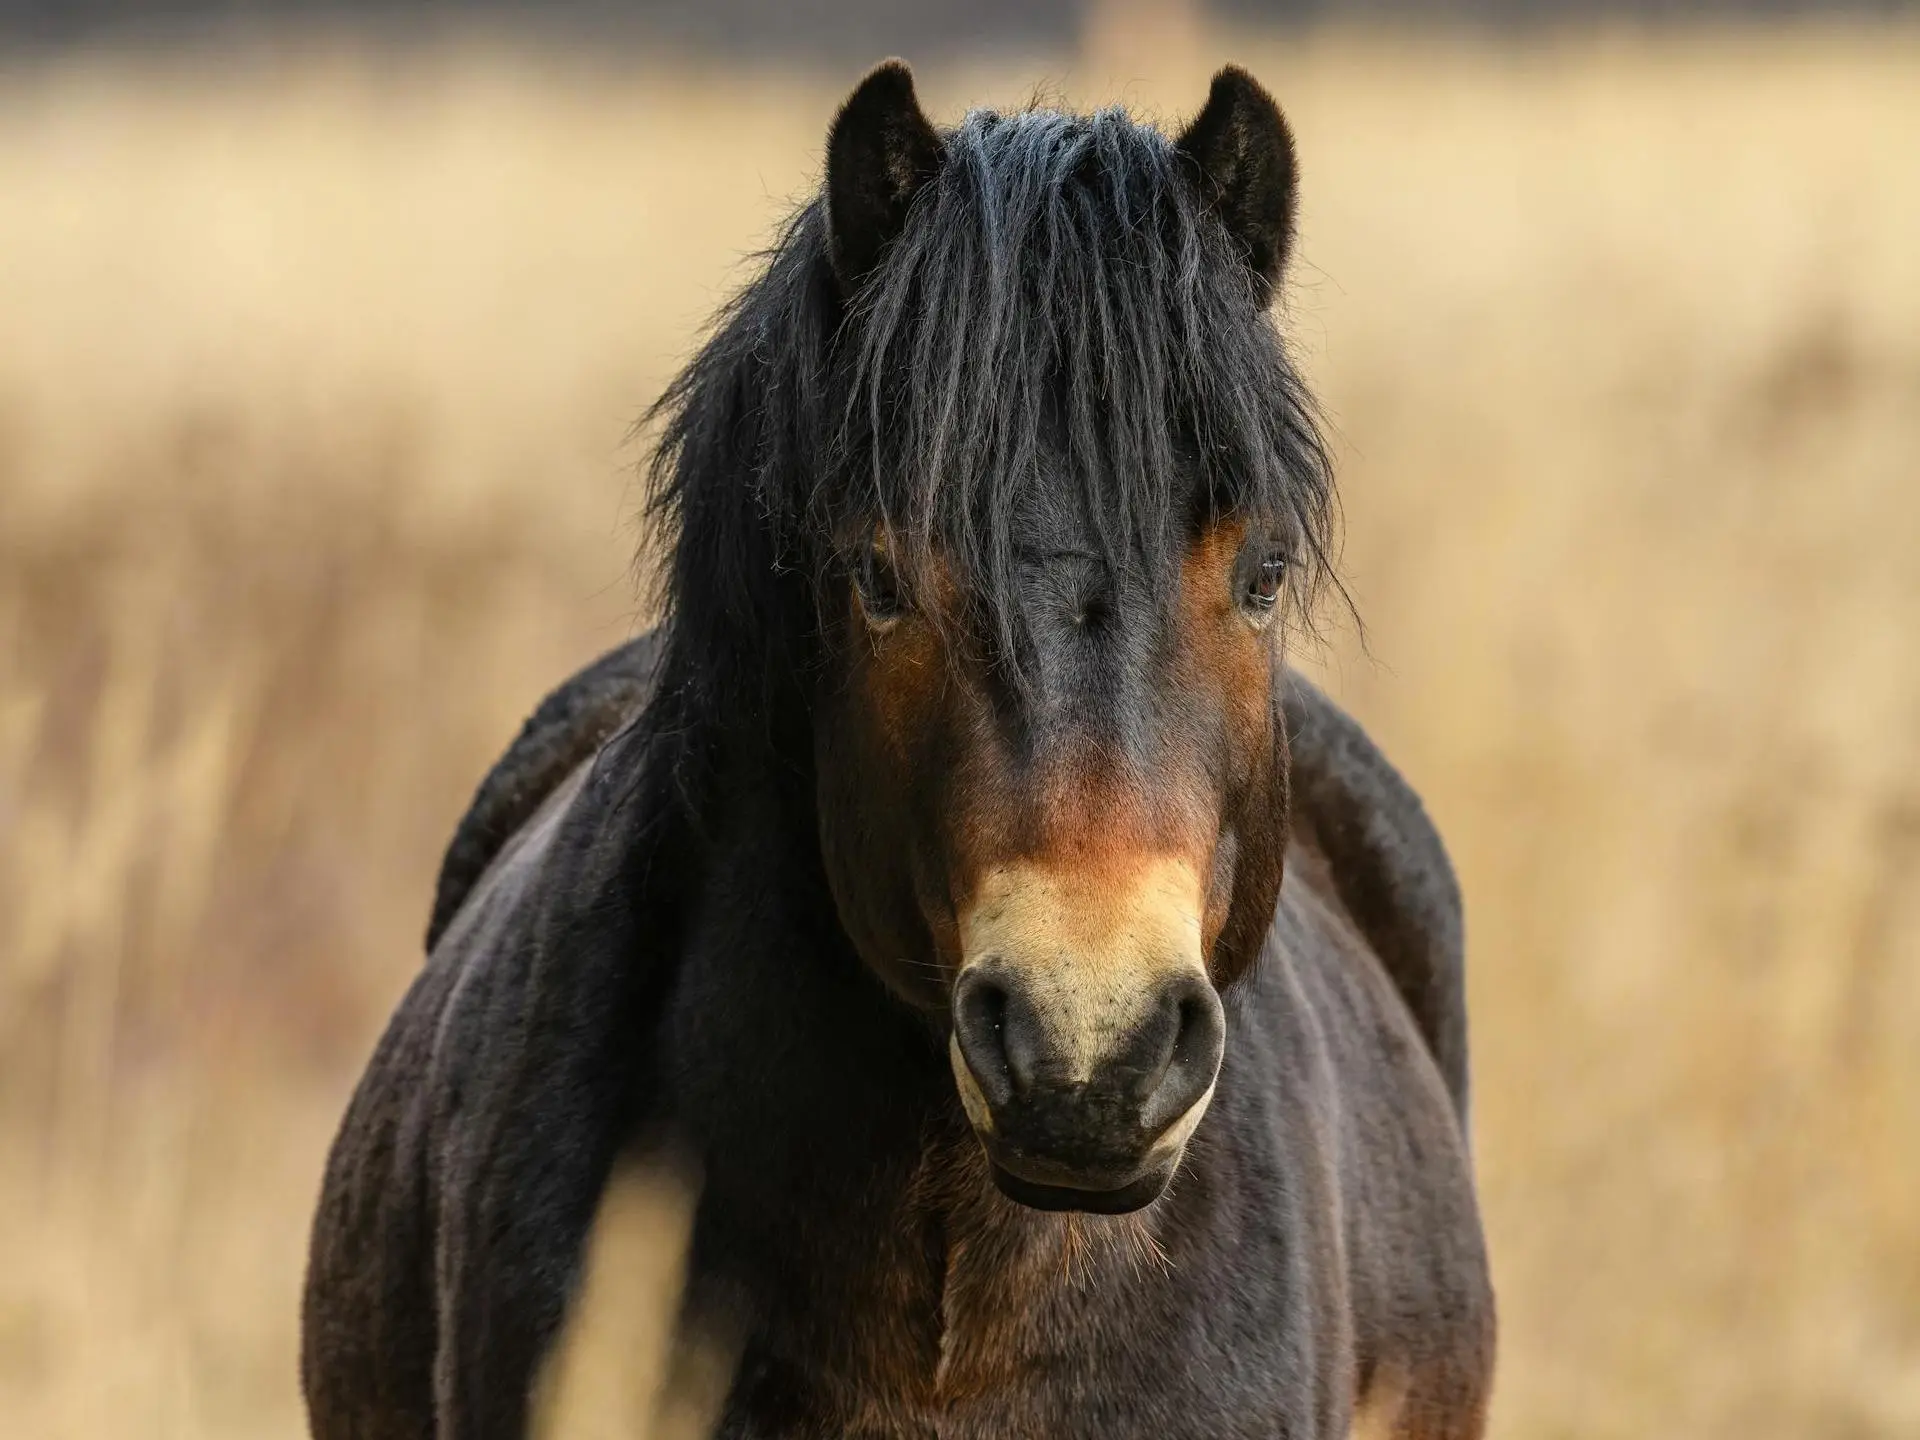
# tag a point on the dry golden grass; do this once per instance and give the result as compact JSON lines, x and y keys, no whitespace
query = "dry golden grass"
{"x":314,"y":375}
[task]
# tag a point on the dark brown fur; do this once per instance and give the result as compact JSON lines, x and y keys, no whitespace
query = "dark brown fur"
{"x":885,"y":891}
{"x":967,"y":1293}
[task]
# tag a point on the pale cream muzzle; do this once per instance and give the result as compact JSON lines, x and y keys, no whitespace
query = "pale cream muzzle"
{"x":1087,"y":1036}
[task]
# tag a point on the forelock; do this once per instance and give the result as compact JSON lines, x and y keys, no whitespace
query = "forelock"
{"x":1058,"y":293}
{"x":1060,"y":310}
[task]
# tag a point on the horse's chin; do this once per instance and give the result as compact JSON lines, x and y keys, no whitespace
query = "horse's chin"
{"x":1124,"y":1199}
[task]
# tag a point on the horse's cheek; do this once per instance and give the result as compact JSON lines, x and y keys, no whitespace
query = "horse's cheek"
{"x":866,"y":736}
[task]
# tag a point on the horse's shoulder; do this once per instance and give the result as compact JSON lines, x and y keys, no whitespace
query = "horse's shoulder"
{"x":568,"y":727}
{"x":1388,"y":866}
{"x":478,"y":1138}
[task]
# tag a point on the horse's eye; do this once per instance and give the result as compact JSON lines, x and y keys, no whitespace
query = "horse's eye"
{"x":881,"y":594}
{"x":1264,"y":579}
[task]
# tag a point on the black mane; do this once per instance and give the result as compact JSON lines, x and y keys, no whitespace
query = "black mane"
{"x":1060,"y":308}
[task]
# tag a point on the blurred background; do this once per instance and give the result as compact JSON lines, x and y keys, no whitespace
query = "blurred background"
{"x":322,"y":328}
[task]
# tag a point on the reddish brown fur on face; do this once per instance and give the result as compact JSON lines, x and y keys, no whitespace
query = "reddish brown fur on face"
{"x":900,"y":663}
{"x":1226,"y":656}
{"x":921,"y":713}
{"x":1094,"y":861}
{"x":1090,"y":807}
{"x":880,"y":717}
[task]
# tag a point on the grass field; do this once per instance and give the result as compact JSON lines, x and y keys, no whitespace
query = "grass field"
{"x":315,"y":376}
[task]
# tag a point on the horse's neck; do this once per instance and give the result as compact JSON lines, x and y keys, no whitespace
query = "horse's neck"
{"x":1011,"y":1280}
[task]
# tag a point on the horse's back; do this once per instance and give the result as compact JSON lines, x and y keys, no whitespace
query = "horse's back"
{"x":569,"y":725}
{"x":1388,"y":867}
{"x":1368,"y":935}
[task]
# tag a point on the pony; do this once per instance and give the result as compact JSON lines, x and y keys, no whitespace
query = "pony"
{"x":1060,"y":999}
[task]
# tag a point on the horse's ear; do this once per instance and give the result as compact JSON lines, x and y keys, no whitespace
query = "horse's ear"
{"x":1244,"y":151}
{"x":881,"y":150}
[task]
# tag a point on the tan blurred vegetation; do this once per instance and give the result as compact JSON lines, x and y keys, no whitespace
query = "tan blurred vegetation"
{"x":315,"y":372}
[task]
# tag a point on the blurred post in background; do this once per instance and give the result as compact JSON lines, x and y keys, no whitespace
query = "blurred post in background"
{"x":321,"y":330}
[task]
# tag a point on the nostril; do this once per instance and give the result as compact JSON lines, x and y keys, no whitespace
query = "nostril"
{"x":980,"y":1025}
{"x":1191,"y":1036}
{"x":1193,"y":1060}
{"x":983,"y":1007}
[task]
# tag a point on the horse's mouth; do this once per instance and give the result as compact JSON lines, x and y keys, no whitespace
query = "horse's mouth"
{"x":1047,"y":1159}
{"x":1137,"y":1193}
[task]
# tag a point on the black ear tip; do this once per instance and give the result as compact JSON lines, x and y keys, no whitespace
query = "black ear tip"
{"x":1234,"y":91}
{"x":1230,"y":80}
{"x":888,"y":86}
{"x":883,"y":94}
{"x":883,"y":99}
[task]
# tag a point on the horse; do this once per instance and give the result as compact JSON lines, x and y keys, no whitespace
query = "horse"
{"x":1060,"y":1000}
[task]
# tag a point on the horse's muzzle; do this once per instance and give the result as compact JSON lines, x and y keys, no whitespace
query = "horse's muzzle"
{"x":1084,"y":1107}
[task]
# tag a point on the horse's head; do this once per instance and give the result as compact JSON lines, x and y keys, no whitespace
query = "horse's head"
{"x":1074,"y":485}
